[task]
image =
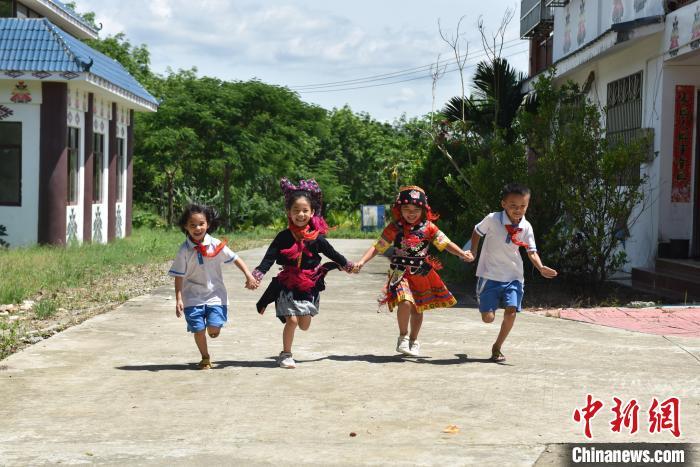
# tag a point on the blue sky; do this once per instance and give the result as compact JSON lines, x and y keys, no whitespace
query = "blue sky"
{"x":304,"y":42}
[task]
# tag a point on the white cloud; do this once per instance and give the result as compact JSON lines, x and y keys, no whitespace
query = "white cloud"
{"x":300,"y":42}
{"x":400,"y":99}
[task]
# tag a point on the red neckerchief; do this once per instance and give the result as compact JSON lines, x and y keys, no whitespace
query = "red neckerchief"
{"x":302,"y":233}
{"x":513,"y":232}
{"x":202,"y":249}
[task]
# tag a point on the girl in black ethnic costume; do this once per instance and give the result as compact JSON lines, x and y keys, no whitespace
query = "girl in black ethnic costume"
{"x":296,"y":288}
{"x":413,"y":286}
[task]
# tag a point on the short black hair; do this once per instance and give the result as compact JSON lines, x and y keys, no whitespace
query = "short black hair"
{"x":514,"y":189}
{"x":209,"y":212}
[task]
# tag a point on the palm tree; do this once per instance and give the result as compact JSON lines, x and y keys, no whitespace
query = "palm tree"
{"x":495,"y":102}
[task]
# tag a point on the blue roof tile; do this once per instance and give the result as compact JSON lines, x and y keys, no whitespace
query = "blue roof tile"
{"x":73,"y":14}
{"x":38,"y":45}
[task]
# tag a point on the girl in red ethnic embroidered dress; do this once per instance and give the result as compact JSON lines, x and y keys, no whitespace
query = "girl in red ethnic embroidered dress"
{"x":413,"y":285}
{"x":296,"y":289}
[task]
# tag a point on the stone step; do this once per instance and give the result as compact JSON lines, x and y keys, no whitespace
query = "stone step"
{"x":689,"y":269}
{"x":666,"y":284}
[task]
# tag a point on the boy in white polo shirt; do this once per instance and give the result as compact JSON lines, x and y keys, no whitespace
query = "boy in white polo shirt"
{"x":500,"y":268}
{"x":200,"y":292}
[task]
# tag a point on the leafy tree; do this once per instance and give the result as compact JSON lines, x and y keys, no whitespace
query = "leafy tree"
{"x":587,"y":190}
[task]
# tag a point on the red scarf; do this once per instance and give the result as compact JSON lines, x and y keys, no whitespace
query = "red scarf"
{"x":513,"y":231}
{"x":202,"y":249}
{"x":303,"y":233}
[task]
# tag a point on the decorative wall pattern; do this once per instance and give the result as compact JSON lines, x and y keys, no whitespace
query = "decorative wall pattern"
{"x":21,"y":94}
{"x":5,"y":112}
{"x":72,"y":227}
{"x":97,"y":226}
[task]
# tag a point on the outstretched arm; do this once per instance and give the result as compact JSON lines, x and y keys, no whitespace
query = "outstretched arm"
{"x":547,"y":272}
{"x":457,"y":251}
{"x":250,"y":282}
{"x":369,"y":254}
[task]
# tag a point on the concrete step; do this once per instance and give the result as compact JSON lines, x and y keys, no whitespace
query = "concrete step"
{"x":675,"y":286}
{"x":686,"y":268}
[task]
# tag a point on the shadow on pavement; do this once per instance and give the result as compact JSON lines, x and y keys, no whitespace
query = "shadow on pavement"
{"x":271,"y":362}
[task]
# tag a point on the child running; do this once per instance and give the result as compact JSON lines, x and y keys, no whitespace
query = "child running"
{"x":296,"y":289}
{"x":500,"y":268}
{"x":413,"y":285}
{"x":199,"y":286}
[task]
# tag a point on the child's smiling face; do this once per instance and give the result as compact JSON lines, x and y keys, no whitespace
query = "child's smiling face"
{"x":515,"y":206}
{"x":300,"y":212}
{"x":411,"y":213}
{"x":197,"y":226}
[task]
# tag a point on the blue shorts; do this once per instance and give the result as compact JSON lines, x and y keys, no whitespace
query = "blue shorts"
{"x":492,"y":295}
{"x":202,"y":316}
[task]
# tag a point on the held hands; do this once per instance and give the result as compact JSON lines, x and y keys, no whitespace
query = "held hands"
{"x":179,"y":307}
{"x":547,"y":272}
{"x":466,"y":256}
{"x":251,"y":283}
{"x":356,"y":268}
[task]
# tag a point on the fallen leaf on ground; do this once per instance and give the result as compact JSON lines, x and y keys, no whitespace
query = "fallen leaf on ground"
{"x":451,"y":429}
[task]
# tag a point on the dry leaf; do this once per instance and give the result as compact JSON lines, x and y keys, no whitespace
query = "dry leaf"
{"x":451,"y":429}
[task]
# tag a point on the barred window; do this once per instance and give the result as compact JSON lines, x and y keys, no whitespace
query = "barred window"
{"x":10,"y":164}
{"x":121,"y":169}
{"x":73,"y":160}
{"x":97,"y":167}
{"x":624,"y":113}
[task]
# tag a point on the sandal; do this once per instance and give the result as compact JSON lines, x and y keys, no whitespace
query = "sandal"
{"x":496,"y":355}
{"x":205,"y":364}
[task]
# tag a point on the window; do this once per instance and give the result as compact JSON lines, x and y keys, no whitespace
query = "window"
{"x":97,"y":167}
{"x":10,"y":163}
{"x":73,"y":152}
{"x":22,"y":11}
{"x":624,"y":112}
{"x":25,"y":12}
{"x":121,"y":169}
{"x":6,"y":9}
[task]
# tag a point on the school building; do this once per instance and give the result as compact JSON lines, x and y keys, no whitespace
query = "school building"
{"x":66,"y":129}
{"x":639,"y":60}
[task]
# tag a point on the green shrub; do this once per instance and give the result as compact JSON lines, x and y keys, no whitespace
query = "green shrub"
{"x":3,"y":233}
{"x":148,"y":219}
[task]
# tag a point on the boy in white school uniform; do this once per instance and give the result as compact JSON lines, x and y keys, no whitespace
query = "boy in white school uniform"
{"x":500,"y":268}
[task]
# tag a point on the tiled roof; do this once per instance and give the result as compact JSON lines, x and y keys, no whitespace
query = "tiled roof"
{"x":72,"y":13}
{"x":38,"y":45}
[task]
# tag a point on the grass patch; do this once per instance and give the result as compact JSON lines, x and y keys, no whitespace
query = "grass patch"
{"x":45,"y":309}
{"x":9,"y":337}
{"x":24,"y":272}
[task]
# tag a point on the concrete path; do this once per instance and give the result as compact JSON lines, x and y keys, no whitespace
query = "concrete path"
{"x":122,"y":388}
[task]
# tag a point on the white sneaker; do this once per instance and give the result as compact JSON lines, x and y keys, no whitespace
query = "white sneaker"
{"x":403,"y":346}
{"x":286,"y":361}
{"x":414,"y":348}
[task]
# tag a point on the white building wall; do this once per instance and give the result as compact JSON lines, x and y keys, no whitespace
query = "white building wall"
{"x":676,"y":221}
{"x":588,"y":19}
{"x":99,"y":210}
{"x":22,"y":222}
{"x":120,"y":210}
{"x":644,"y":55}
{"x":77,"y":106}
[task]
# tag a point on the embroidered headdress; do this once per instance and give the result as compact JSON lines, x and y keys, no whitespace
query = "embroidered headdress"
{"x":412,"y":195}
{"x":308,"y":187}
